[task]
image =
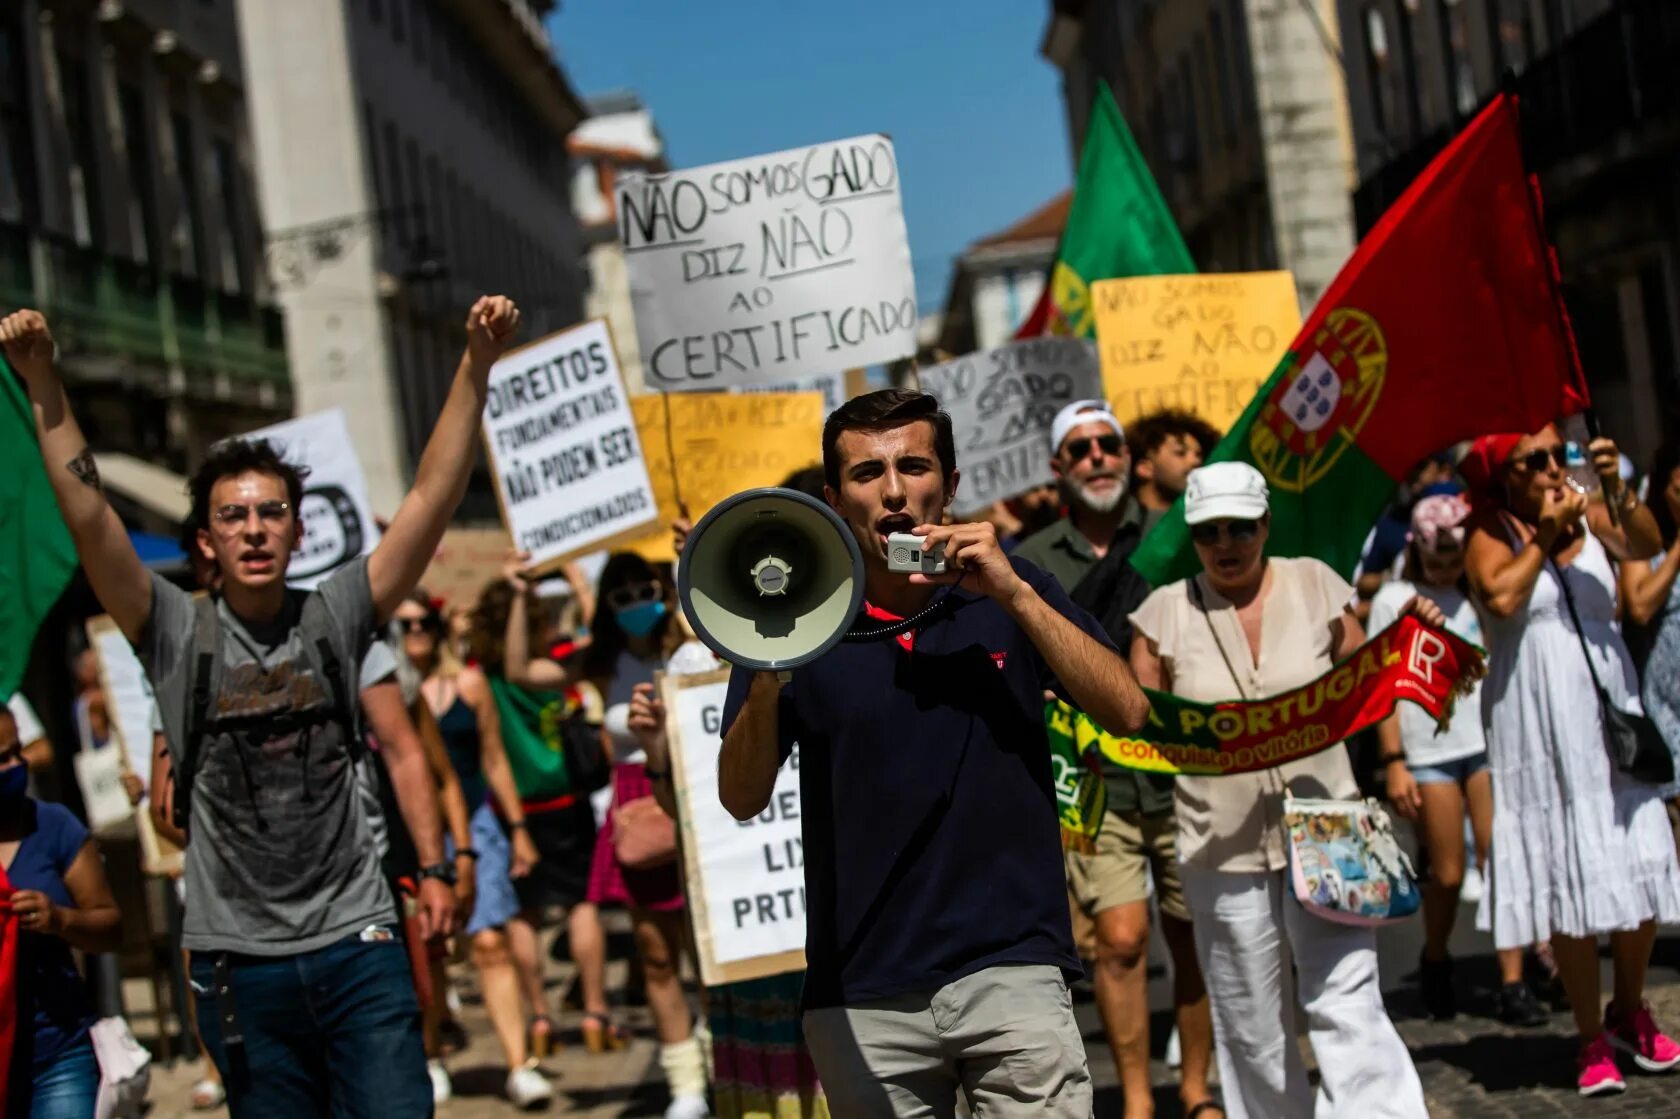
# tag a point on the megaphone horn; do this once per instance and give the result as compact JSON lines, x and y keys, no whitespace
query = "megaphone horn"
{"x":770,"y":579}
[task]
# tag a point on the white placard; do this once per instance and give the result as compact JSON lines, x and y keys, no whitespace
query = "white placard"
{"x":128,"y":694}
{"x":831,"y":385}
{"x":752,"y":873}
{"x":337,"y":517}
{"x":770,"y":268}
{"x":562,"y":441}
{"x":1002,"y":403}
{"x":99,"y":773}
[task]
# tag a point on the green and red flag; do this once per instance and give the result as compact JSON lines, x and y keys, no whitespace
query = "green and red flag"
{"x":1446,"y":324}
{"x":37,"y":556}
{"x":1118,"y":225}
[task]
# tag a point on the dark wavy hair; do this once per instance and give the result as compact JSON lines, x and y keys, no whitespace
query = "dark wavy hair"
{"x":233,"y":457}
{"x":879,"y":411}
{"x":488,"y":641}
{"x":1664,"y":463}
{"x":1146,"y":433}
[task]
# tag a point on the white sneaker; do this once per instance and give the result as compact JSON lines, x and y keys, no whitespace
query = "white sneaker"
{"x":1174,"y":1057}
{"x":526,"y":1087}
{"x":1470,"y":893}
{"x":688,"y":1107}
{"x":442,"y":1089}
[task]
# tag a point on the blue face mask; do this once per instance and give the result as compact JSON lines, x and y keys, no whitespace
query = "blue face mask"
{"x":14,"y":788}
{"x":641,"y":619}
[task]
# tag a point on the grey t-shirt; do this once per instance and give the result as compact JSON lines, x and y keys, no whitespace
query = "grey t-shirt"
{"x":282,"y":859}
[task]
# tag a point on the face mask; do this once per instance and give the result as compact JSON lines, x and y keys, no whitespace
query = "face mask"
{"x":14,"y":789}
{"x":641,"y":619}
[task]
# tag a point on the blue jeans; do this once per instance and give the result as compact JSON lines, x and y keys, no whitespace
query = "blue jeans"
{"x":334,"y":1032}
{"x":68,"y":1087}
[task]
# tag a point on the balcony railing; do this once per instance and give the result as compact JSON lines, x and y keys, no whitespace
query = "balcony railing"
{"x":1617,"y":73}
{"x":114,"y":307}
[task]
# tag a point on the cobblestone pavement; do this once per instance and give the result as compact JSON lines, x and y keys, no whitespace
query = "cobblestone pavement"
{"x":1472,"y":1068}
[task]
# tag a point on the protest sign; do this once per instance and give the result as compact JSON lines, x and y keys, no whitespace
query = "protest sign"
{"x":570,"y":474}
{"x":1203,"y":343}
{"x":1002,"y":403}
{"x":133,"y":714}
{"x":746,"y":878}
{"x":724,"y":442}
{"x":832,"y":386}
{"x":336,"y":514}
{"x":769,"y":268}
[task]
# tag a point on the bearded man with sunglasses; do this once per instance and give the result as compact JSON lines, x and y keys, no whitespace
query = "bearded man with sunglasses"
{"x":303,"y":982}
{"x":1088,"y":551}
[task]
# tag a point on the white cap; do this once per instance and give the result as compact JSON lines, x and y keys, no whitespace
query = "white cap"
{"x":1225,"y":490}
{"x":1081,"y":412}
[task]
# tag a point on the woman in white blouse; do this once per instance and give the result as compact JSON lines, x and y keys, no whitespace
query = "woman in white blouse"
{"x":1250,"y":627}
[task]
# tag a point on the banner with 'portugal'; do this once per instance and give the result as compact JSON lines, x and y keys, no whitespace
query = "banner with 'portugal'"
{"x":1409,"y":660}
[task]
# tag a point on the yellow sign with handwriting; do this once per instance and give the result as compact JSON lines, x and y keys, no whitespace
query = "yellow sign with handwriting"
{"x":725,"y":443}
{"x":1201,"y":343}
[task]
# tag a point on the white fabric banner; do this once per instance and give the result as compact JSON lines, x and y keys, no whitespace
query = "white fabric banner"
{"x":1002,"y":403}
{"x":770,"y":268}
{"x":337,"y":516}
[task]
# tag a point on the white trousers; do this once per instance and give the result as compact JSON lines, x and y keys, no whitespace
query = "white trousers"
{"x":1248,"y":931}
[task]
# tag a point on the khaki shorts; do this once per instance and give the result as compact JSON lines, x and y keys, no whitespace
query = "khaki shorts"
{"x":1131,"y":847}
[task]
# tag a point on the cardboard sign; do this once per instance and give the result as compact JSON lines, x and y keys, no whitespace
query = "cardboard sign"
{"x":724,"y":443}
{"x":770,"y":268}
{"x":1002,"y":403}
{"x":128,"y":698}
{"x":746,"y":879}
{"x":1202,"y":343}
{"x":99,"y":774}
{"x":832,"y":386}
{"x":337,"y":517}
{"x":570,"y":475}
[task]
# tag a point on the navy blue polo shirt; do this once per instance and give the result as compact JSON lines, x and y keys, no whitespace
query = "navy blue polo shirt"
{"x":932,"y":846}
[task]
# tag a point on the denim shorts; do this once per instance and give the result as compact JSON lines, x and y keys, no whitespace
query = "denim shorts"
{"x":1455,"y":772}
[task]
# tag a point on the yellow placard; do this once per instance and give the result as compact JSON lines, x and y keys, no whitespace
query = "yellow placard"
{"x":1202,"y":343}
{"x":724,"y":443}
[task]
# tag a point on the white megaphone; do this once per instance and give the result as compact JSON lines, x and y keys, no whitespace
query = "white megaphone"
{"x":770,"y":579}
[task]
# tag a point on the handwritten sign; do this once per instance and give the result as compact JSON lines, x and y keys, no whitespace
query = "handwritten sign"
{"x":831,"y":385}
{"x":770,"y":268}
{"x":570,"y":475}
{"x":724,"y":443}
{"x":1202,"y":343}
{"x":749,"y":907}
{"x":337,"y":516}
{"x":1002,"y":403}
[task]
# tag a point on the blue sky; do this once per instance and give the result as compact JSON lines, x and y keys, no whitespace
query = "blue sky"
{"x":975,"y":113}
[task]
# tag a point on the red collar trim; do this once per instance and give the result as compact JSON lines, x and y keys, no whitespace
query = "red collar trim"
{"x":906,"y":640}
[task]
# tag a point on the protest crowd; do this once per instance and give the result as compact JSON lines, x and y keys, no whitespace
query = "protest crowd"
{"x":1147,"y":668}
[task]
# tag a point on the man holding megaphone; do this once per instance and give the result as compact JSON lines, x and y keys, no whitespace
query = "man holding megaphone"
{"x":938,"y":938}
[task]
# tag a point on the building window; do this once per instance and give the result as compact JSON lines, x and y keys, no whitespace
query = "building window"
{"x":1461,"y":70}
{"x":1220,"y":62}
{"x":188,"y":232}
{"x":1511,"y":23}
{"x":370,"y":126}
{"x":142,"y":199}
{"x":1241,"y":64}
{"x":420,"y":15}
{"x":393,"y":162}
{"x":225,"y":166}
{"x":17,"y":153}
{"x":84,"y":159}
{"x":1379,"y":65}
{"x":398,"y":23}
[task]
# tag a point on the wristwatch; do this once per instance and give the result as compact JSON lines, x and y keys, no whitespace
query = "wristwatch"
{"x":443,"y":872}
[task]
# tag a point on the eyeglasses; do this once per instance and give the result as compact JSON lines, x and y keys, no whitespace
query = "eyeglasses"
{"x":1535,"y":461}
{"x":623,"y":598}
{"x":1239,"y":532}
{"x":1079,"y":448}
{"x":230,"y":519}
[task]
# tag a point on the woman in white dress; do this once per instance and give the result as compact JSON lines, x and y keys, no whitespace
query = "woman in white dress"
{"x":1579,"y":849}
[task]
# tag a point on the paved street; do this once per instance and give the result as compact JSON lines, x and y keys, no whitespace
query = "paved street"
{"x":1472,"y":1068}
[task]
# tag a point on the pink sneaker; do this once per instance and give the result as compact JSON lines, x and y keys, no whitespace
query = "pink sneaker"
{"x":1638,"y":1036}
{"x":1599,"y":1075}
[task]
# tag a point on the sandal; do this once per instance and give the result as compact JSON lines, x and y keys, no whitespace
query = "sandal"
{"x":602,"y":1035}
{"x":1206,"y":1105}
{"x":207,"y":1095}
{"x":545,"y":1040}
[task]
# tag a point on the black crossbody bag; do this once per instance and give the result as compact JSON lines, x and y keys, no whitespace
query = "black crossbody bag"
{"x":1635,"y":744}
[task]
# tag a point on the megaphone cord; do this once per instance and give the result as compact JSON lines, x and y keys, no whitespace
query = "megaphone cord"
{"x":945,"y":603}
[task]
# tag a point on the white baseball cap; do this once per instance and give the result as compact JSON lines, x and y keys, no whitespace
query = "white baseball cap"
{"x":1081,"y":412}
{"x":1225,"y":491}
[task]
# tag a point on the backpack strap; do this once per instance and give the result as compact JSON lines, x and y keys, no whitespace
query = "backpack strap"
{"x":341,"y":677}
{"x":206,"y":648}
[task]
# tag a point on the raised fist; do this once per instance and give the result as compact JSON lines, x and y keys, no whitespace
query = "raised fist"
{"x":28,"y":342}
{"x":490,"y":327}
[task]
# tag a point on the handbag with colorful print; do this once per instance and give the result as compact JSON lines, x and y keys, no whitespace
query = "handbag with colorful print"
{"x":1345,"y":864}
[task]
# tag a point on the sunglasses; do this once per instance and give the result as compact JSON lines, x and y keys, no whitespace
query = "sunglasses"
{"x":1535,"y":461}
{"x":1079,"y":448}
{"x":623,"y":598}
{"x":1239,"y":532}
{"x":229,"y":519}
{"x":428,"y":624}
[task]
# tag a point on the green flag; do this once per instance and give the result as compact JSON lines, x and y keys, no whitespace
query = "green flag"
{"x":1118,"y":225}
{"x":37,"y":557}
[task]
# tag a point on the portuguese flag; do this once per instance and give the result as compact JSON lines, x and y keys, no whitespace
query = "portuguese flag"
{"x":1118,"y":226}
{"x":1446,"y":324}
